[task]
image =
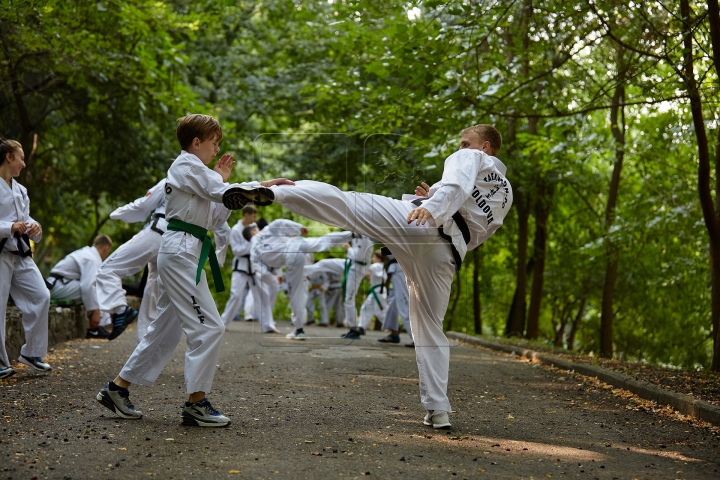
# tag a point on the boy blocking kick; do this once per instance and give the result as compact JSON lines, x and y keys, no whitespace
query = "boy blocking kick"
{"x":193,"y":196}
{"x":429,"y":233}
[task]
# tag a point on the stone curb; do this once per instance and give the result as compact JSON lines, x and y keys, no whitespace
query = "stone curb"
{"x":685,"y":404}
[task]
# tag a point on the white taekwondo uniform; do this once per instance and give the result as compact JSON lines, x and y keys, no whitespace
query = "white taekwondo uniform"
{"x":265,"y":289}
{"x":193,"y":194}
{"x":242,"y":276}
{"x":141,"y":250}
{"x":280,"y":243}
{"x":474,"y":186}
{"x":74,"y":279}
{"x":359,"y":256}
{"x":398,"y":299}
{"x":375,"y":304}
{"x":19,"y":276}
{"x":318,"y":286}
{"x":334,"y":268}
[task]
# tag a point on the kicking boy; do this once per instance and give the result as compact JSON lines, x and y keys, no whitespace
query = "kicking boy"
{"x":429,"y":233}
{"x":19,"y":276}
{"x":192,"y":196}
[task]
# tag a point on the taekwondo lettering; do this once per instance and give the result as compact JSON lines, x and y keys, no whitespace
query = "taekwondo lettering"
{"x":481,"y":200}
{"x":168,"y":189}
{"x":201,"y":317}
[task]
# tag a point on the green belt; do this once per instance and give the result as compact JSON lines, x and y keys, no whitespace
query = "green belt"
{"x":348,"y":264}
{"x":372,"y":291}
{"x":207,"y":251}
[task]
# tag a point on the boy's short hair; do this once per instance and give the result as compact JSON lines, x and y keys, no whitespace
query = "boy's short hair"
{"x":378,"y":253}
{"x":249,"y":209}
{"x":247,"y":232}
{"x":8,"y":146}
{"x":197,"y":125}
{"x":261,"y":223}
{"x":487,"y":133}
{"x":102,"y":241}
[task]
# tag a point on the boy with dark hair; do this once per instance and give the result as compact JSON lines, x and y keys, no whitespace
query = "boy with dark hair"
{"x":429,"y":233}
{"x":242,"y":276}
{"x":192,"y":206}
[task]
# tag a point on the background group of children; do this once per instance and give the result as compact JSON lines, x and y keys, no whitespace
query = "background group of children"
{"x":426,"y":236}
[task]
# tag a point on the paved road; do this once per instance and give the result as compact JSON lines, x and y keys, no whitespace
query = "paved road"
{"x":328,"y":409}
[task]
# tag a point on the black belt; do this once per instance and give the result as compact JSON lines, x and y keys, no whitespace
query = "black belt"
{"x":153,"y":225}
{"x":236,"y":264}
{"x":58,"y":278}
{"x":19,"y":252}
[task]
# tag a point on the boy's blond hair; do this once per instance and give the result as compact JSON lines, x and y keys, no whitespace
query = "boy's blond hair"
{"x":102,"y":241}
{"x":197,"y":125}
{"x":487,"y":133}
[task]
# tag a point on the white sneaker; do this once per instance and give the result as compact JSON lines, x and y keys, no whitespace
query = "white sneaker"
{"x":36,"y":363}
{"x":439,"y":420}
{"x":295,"y":335}
{"x":202,"y":414}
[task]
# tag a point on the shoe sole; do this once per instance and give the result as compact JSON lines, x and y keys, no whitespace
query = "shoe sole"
{"x":236,"y":198}
{"x":37,"y":369}
{"x":194,"y":422}
{"x":295,"y":338}
{"x":8,"y":374}
{"x":120,"y":329}
{"x":107,"y":403}
{"x":382,"y":340}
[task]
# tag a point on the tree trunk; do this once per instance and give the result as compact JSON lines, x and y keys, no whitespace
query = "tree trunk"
{"x":712,"y":223}
{"x":617,"y":124}
{"x":477,"y":265}
{"x":517,"y":320}
{"x":542,"y":212}
{"x":514,"y":304}
{"x":576,"y":324}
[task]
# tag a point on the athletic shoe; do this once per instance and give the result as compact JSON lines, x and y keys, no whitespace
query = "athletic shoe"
{"x":36,"y":363}
{"x":309,"y":322}
{"x":410,"y":345}
{"x":273,"y":331}
{"x":120,"y":322}
{"x":352,"y":334}
{"x":202,"y":414}
{"x":295,"y":335}
{"x":439,"y":420}
{"x":339,"y":325}
{"x":236,"y":198}
{"x":99,"y":332}
{"x":119,"y":402}
{"x":390,"y":339}
{"x":323,"y":324}
{"x":6,"y":372}
{"x":361,"y":331}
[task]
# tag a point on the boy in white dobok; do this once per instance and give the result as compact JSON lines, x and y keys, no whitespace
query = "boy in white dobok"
{"x":318,"y":288}
{"x":74,"y":279}
{"x":242,"y":275}
{"x":429,"y":233}
{"x":358,"y":259}
{"x":375,"y":304}
{"x":192,"y":196}
{"x":333,"y":269}
{"x":19,"y":276}
{"x":398,"y":304}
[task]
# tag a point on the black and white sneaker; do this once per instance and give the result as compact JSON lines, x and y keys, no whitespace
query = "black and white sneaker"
{"x":121,"y":321}
{"x":6,"y":372}
{"x":202,"y":414}
{"x":236,"y":198}
{"x":118,"y":401}
{"x":36,"y":363}
{"x":390,"y":339}
{"x":361,"y":331}
{"x":99,"y":332}
{"x":352,"y":334}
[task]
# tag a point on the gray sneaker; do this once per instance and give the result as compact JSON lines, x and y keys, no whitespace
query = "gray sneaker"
{"x":202,"y":414}
{"x":119,"y":402}
{"x":36,"y":363}
{"x":6,"y":372}
{"x":235,"y":198}
{"x":439,"y":420}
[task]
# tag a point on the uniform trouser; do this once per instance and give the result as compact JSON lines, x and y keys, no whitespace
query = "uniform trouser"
{"x":297,"y":287}
{"x":248,"y":305}
{"x":22,"y":280}
{"x":352,"y":284}
{"x":265,"y":292}
{"x":370,"y":308}
{"x":240,"y":283}
{"x":148,"y":307}
{"x":182,"y":307}
{"x":70,"y":291}
{"x":423,"y":255}
{"x":398,"y":305}
{"x":129,"y":259}
{"x":334,"y":299}
{"x":310,"y":305}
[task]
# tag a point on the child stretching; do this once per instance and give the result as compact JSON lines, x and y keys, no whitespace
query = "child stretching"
{"x":192,"y":206}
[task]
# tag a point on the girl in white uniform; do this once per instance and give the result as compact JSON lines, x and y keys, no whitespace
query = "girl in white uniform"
{"x":429,"y":233}
{"x":19,"y":276}
{"x":192,"y":197}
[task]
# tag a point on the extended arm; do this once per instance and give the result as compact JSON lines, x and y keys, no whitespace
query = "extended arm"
{"x":139,"y":209}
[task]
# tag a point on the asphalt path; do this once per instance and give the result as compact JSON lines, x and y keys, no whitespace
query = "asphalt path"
{"x":328,"y":408}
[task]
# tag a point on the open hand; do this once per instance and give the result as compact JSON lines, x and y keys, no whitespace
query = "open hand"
{"x":277,"y":181}
{"x":422,"y":190}
{"x":34,"y":229}
{"x":420,"y":214}
{"x":18,"y":227}
{"x":224,"y":166}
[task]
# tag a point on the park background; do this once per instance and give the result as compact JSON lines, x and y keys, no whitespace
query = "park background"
{"x":608,"y":109}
